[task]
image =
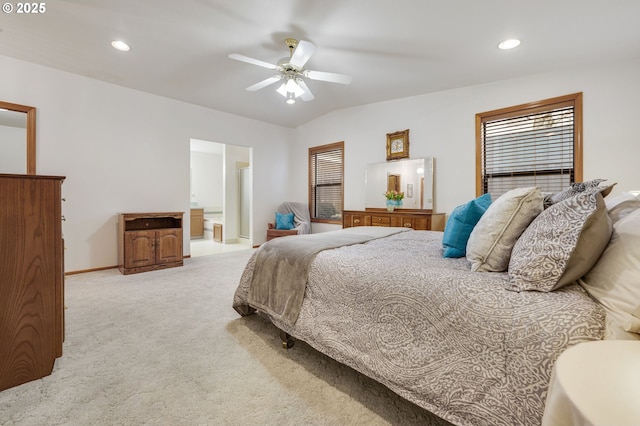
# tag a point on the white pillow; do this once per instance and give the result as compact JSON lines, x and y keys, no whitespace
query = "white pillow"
{"x":615,"y":279}
{"x":611,"y":202}
{"x":491,"y":241}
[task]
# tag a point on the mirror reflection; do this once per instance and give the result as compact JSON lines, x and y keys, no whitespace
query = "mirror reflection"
{"x":17,"y":139}
{"x":413,"y":177}
{"x":13,"y":139}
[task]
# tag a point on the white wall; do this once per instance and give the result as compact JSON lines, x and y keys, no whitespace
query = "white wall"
{"x":442,"y":125}
{"x":123,"y":150}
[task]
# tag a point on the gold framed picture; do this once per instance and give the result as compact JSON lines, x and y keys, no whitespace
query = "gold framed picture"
{"x":398,"y":145}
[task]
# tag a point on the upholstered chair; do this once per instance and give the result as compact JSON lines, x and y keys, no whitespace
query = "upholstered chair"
{"x":301,"y":223}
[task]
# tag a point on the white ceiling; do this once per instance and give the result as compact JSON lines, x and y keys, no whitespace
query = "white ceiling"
{"x":393,"y":49}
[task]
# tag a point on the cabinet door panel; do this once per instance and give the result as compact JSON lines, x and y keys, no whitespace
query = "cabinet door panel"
{"x":197,"y":222}
{"x":139,"y":248}
{"x":169,"y":246}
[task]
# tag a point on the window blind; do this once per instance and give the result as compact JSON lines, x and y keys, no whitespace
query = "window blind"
{"x":529,"y":147}
{"x":326,"y":173}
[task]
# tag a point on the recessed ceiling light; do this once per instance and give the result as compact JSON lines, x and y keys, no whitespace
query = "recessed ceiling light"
{"x":509,"y":44}
{"x":120,"y":45}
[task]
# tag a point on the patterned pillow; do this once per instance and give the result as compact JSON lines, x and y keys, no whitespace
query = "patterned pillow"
{"x":284,"y":221}
{"x":574,"y":189}
{"x":460,"y":224}
{"x":492,"y":239}
{"x":561,"y":244}
{"x":613,"y":281}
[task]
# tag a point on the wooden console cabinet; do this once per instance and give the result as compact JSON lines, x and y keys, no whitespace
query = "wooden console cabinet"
{"x":31,"y":277}
{"x":149,"y":241}
{"x":418,"y":220}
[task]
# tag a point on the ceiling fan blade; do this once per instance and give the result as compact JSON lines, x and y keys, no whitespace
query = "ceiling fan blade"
{"x":252,"y":61}
{"x":264,"y":83}
{"x":307,"y":95}
{"x":328,"y":76}
{"x":302,"y":53}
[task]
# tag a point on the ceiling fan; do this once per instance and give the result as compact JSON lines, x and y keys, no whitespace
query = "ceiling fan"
{"x":292,"y":72}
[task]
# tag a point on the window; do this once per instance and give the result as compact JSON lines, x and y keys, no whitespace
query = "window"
{"x":326,"y":173}
{"x":536,"y":144}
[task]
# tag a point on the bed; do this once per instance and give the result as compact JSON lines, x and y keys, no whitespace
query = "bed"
{"x":467,"y":345}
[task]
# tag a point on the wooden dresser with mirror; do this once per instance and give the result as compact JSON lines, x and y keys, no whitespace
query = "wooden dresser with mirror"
{"x":414,"y":177}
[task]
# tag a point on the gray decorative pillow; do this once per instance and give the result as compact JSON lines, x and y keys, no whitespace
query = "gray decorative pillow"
{"x":574,"y":189}
{"x":561,"y":244}
{"x":492,"y":239}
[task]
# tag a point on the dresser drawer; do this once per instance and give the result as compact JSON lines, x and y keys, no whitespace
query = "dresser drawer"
{"x":351,"y":220}
{"x":380,"y":221}
{"x":421,"y":223}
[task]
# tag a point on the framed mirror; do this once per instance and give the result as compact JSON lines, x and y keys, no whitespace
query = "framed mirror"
{"x":413,"y":177}
{"x":17,"y":139}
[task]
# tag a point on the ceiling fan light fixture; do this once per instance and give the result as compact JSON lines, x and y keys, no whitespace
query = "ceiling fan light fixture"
{"x":294,"y":87}
{"x":282,"y":89}
{"x":290,"y":90}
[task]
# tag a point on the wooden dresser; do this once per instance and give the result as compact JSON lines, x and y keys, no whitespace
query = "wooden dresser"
{"x":31,"y":277}
{"x":415,"y":219}
{"x":149,"y":241}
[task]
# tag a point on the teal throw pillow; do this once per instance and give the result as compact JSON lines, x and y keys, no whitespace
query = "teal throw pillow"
{"x":460,"y":224}
{"x":284,"y":221}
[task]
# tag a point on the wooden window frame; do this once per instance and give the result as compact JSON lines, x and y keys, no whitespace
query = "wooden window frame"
{"x":574,"y":100}
{"x":312,"y":152}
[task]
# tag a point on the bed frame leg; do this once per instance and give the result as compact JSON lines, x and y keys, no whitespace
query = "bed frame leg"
{"x":287,"y":340}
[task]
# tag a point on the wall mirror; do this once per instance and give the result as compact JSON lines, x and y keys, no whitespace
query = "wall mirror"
{"x":413,"y":177}
{"x":17,"y":139}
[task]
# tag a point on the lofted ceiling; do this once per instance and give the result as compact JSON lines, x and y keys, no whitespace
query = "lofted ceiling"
{"x":392,"y":49}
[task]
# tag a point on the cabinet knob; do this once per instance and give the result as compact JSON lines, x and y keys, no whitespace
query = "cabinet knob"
{"x":356,"y":221}
{"x":407,"y":225}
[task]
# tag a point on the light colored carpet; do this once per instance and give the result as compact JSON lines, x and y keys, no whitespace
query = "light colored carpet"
{"x":166,"y":348}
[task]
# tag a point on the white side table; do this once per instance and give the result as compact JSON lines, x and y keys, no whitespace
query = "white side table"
{"x":595,"y":383}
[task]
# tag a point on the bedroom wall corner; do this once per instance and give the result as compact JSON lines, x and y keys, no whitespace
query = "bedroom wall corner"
{"x":123,"y":150}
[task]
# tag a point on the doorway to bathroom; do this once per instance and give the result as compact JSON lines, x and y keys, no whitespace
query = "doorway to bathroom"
{"x":220,"y":197}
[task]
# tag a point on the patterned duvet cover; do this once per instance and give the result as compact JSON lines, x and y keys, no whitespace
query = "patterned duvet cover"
{"x":452,"y":341}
